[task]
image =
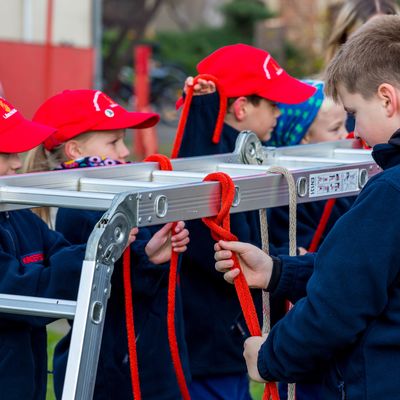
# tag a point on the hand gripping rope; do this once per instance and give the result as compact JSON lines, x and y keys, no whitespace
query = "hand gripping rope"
{"x":165,"y":165}
{"x":130,"y":326}
{"x":220,"y":229}
{"x":185,"y":112}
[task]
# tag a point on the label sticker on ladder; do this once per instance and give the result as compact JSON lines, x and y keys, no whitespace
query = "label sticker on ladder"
{"x":333,"y":182}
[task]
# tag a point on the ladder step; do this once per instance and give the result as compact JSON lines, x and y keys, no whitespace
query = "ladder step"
{"x":53,"y":308}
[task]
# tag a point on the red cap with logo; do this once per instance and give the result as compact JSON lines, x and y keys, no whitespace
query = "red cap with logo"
{"x":18,"y":134}
{"x":74,"y":112}
{"x":244,"y":70}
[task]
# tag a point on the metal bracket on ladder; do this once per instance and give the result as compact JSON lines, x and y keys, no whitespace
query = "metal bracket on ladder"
{"x":138,"y":194}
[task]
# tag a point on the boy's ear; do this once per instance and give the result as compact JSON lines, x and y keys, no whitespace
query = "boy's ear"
{"x":240,"y":108}
{"x":306,"y":138}
{"x":390,"y":98}
{"x":72,"y":149}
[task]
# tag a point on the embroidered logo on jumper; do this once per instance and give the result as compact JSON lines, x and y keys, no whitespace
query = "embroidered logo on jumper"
{"x":33,"y":258}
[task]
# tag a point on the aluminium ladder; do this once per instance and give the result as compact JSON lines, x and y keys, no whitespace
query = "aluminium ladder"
{"x":139,"y":194}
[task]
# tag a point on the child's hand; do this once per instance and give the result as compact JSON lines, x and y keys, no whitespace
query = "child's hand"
{"x":159,"y":247}
{"x":255,"y":264}
{"x":251,"y":348}
{"x":302,"y":251}
{"x":132,"y":236}
{"x":201,"y":87}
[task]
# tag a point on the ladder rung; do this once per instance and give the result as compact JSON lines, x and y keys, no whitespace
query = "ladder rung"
{"x":113,"y":186}
{"x":40,"y":306}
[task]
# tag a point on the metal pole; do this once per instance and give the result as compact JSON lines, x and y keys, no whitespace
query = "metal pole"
{"x":97,"y":36}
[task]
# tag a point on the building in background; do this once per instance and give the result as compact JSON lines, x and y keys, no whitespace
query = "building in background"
{"x":45,"y":46}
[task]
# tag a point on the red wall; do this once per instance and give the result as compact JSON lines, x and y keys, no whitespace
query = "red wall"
{"x":30,"y":73}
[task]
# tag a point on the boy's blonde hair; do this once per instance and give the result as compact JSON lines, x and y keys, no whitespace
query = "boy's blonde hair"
{"x":369,"y":58}
{"x":40,"y":159}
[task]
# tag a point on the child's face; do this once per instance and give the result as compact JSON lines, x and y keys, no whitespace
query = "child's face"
{"x":373,"y":124}
{"x":329,"y":125}
{"x":9,"y":163}
{"x":261,"y":118}
{"x":107,"y":144}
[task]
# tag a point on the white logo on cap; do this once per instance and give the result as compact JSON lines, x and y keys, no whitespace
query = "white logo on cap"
{"x":95,"y":99}
{"x":109,"y":113}
{"x":9,"y":114}
{"x":278,"y":70}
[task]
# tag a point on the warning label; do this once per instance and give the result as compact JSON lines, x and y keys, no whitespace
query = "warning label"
{"x":333,"y":182}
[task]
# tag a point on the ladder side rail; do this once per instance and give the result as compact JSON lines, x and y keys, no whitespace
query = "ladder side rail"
{"x":105,"y":245}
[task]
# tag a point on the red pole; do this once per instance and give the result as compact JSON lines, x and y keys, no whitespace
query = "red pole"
{"x":145,"y":140}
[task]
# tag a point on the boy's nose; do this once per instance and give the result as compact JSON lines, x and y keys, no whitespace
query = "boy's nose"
{"x":124,"y":152}
{"x":16,"y":161}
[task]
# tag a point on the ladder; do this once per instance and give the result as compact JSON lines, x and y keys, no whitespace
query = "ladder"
{"x":139,"y":194}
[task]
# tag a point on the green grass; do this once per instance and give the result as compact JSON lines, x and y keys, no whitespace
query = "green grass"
{"x":256,"y":389}
{"x":53,"y":336}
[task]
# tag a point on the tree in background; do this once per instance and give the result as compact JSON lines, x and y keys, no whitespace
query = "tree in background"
{"x":125,"y":23}
{"x":187,"y":48}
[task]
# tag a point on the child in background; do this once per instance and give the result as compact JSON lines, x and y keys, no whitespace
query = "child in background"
{"x":35,"y":261}
{"x":316,"y":120}
{"x":354,"y":291}
{"x":352,"y":14}
{"x":215,"y":329}
{"x":91,"y":131}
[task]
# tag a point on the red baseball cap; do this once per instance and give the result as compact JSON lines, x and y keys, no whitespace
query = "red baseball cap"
{"x":74,"y":112}
{"x":244,"y":70}
{"x":18,"y":134}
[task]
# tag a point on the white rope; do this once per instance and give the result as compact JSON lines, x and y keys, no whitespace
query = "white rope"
{"x":266,"y":327}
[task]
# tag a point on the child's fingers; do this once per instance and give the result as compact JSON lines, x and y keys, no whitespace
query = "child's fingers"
{"x":165,"y":229}
{"x":237,"y":247}
{"x":222,"y":255}
{"x":179,"y":226}
{"x":180,"y":236}
{"x":181,"y":243}
{"x":224,"y":265}
{"x":231,"y":275}
{"x":180,"y":249}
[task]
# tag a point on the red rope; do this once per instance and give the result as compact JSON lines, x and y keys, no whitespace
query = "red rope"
{"x":130,"y":326}
{"x":220,"y":230}
{"x":185,"y":112}
{"x":165,"y":164}
{"x":322,"y":225}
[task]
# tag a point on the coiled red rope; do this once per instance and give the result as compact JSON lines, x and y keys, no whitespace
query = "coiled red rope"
{"x":220,"y":230}
{"x":185,"y":112}
{"x":165,"y":165}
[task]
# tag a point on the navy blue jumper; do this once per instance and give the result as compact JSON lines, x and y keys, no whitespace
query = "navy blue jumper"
{"x":214,"y":323}
{"x":149,"y":291}
{"x":34,"y":261}
{"x":347,"y":328}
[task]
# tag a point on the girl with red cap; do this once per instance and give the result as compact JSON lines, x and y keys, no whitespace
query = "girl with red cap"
{"x":35,"y":261}
{"x":91,"y":130}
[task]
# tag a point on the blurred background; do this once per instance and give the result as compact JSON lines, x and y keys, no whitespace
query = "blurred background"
{"x":50,"y":45}
{"x":140,"y":51}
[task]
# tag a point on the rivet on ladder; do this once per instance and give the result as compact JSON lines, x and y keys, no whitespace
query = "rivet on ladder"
{"x":161,"y":206}
{"x":236,"y":198}
{"x":301,"y":186}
